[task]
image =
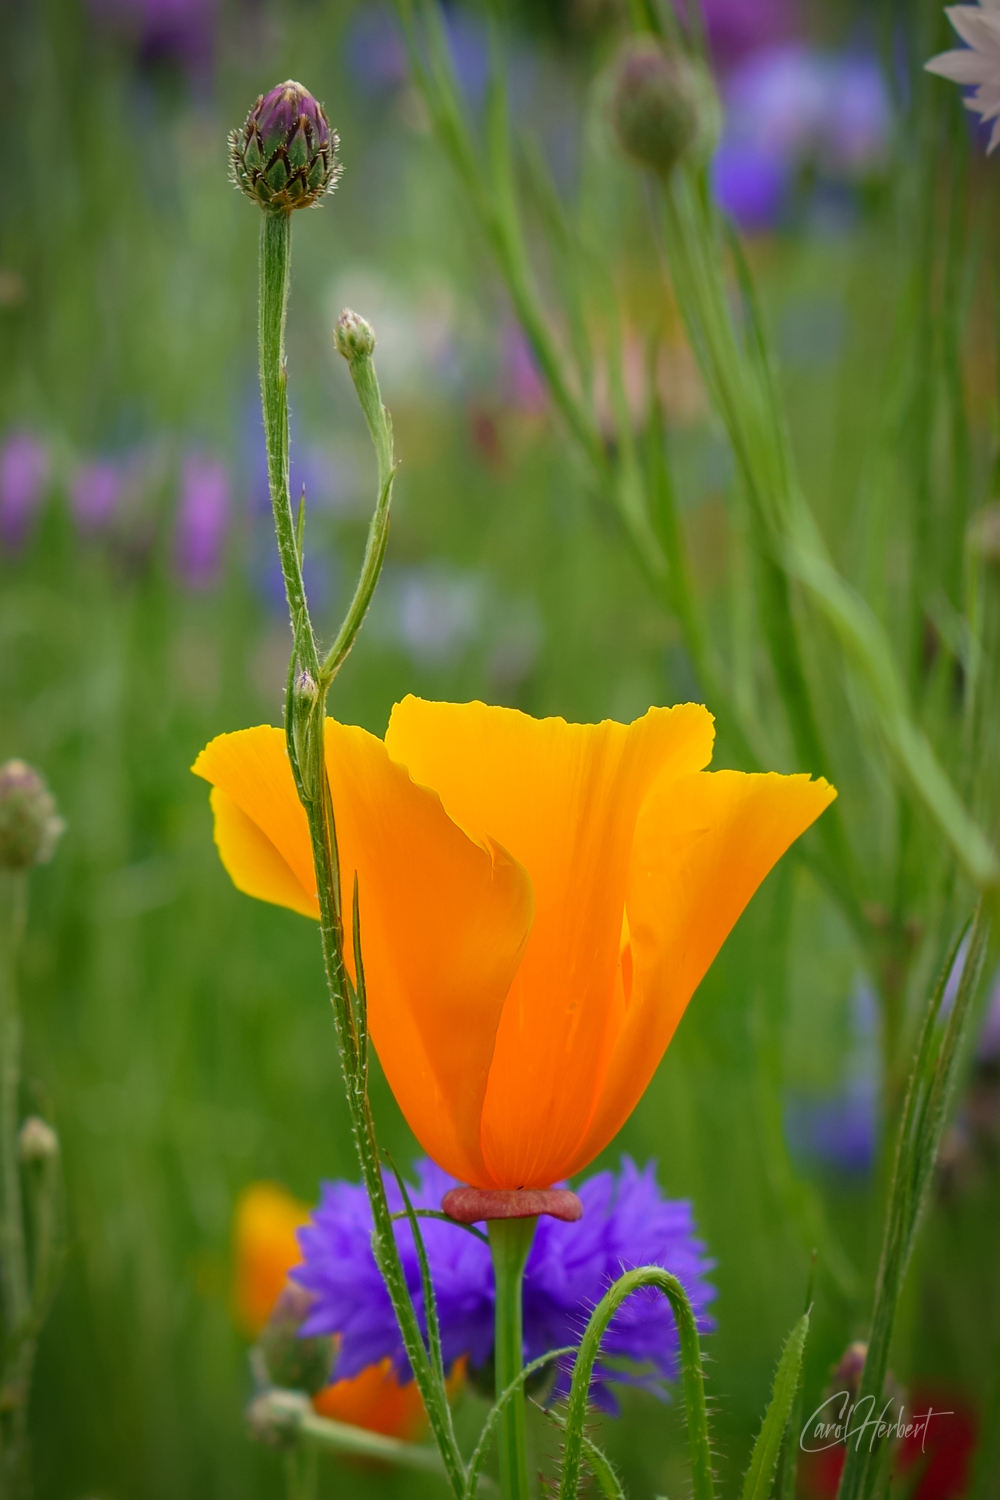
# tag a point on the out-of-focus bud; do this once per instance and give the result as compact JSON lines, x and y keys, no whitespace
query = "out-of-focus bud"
{"x":37,"y":1141}
{"x":354,"y":336}
{"x":276,"y":1417}
{"x":984,"y":532}
{"x":294,"y":1363}
{"x":29,"y":824}
{"x":285,"y":156}
{"x":663,"y":106}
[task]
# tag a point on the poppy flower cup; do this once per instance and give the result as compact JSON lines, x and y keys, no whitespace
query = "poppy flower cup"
{"x":538,"y":899}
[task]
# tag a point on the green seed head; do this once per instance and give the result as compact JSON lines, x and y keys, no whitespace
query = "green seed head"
{"x":664,"y":105}
{"x":353,"y":336}
{"x":29,"y":824}
{"x":285,"y":156}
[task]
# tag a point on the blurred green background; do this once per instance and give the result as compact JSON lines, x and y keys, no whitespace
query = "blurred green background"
{"x":177,"y":1033}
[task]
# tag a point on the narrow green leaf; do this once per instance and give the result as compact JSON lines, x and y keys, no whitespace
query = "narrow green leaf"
{"x":490,"y":1425}
{"x":764,"y":1460}
{"x":427,"y":1285}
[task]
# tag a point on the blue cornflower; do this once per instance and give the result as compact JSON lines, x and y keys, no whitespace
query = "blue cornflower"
{"x":626,"y":1223}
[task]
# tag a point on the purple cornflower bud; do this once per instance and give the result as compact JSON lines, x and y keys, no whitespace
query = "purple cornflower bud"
{"x":626,"y":1223}
{"x":664,"y":106}
{"x":94,"y":493}
{"x":202,"y":520}
{"x":297,"y":1364}
{"x":285,"y":156}
{"x":30,"y":826}
{"x":24,"y":470}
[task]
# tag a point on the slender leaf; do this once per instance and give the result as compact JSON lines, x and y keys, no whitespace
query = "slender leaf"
{"x":764,"y":1459}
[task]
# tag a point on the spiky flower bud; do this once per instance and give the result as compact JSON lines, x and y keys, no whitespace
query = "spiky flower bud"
{"x":354,"y":336}
{"x":29,"y":824}
{"x":285,"y":156}
{"x":663,"y":105}
{"x":37,"y":1141}
{"x":294,"y":1363}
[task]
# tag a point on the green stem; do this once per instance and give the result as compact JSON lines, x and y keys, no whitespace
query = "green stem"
{"x":13,"y":1258}
{"x":275,"y":269}
{"x":510,"y":1241}
{"x":306,"y":736}
{"x":702,"y":1482}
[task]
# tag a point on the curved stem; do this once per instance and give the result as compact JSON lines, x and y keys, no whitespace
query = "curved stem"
{"x":510,"y":1241}
{"x":702,"y":1482}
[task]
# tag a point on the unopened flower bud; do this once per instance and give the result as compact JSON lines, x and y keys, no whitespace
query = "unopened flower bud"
{"x":29,"y":824}
{"x":276,"y":1417}
{"x":285,"y":156}
{"x":354,"y":336}
{"x":305,"y":690}
{"x":294,"y":1363}
{"x":37,"y":1141}
{"x":664,"y":105}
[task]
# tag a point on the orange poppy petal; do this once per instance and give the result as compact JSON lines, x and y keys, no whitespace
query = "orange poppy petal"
{"x":703,"y":844}
{"x":444,"y":923}
{"x":375,"y":1400}
{"x":563,"y":798}
{"x":251,"y":769}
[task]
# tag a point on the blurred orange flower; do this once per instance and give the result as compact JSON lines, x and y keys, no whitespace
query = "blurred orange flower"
{"x":264,"y":1250}
{"x":539,"y":901}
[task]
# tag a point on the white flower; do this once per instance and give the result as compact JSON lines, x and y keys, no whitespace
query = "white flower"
{"x":979,"y":62}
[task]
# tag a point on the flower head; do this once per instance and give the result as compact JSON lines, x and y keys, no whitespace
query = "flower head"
{"x":30,"y":825}
{"x":285,"y":156}
{"x":626,"y":1223}
{"x":978,"y":63}
{"x":538,"y":902}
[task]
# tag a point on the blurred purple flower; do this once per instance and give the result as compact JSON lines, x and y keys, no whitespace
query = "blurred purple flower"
{"x":176,"y":30}
{"x":842,"y":1129}
{"x":736,"y":27}
{"x":94,"y":494}
{"x":523,"y":383}
{"x":788,"y":105}
{"x":376,"y":56}
{"x":626,"y":1223}
{"x":988,"y":1046}
{"x":202,"y":521}
{"x":24,"y":471}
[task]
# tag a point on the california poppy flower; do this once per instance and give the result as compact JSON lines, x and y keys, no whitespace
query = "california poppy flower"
{"x":538,"y":901}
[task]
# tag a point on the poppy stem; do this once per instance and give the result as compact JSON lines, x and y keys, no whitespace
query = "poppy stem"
{"x":510,"y":1241}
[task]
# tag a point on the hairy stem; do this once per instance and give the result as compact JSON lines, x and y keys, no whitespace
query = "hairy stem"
{"x":13,"y":1258}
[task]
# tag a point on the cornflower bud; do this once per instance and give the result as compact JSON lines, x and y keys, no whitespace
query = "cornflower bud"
{"x":663,"y":105}
{"x":353,"y":336}
{"x":29,"y":824}
{"x":276,"y":1417}
{"x":285,"y":156}
{"x":295,"y":1363}
{"x":36,"y":1141}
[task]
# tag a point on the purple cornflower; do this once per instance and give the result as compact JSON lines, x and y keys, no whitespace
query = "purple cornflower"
{"x":24,"y":471}
{"x":176,"y":30}
{"x":94,"y":494}
{"x":201,"y":520}
{"x":626,"y":1223}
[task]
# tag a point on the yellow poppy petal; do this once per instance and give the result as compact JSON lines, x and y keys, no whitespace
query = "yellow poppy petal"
{"x":252,"y":862}
{"x":563,"y":798}
{"x":703,"y":844}
{"x":267,"y":851}
{"x":444,"y":923}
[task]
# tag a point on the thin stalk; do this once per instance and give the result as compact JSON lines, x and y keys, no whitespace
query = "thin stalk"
{"x":510,"y":1241}
{"x":702,"y":1481}
{"x":306,"y":735}
{"x":13,"y":1259}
